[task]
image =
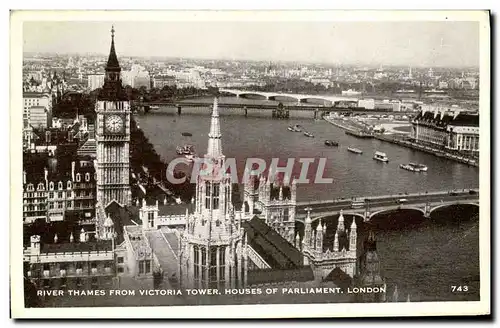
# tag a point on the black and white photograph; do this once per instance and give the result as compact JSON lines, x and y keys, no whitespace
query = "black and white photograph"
{"x":236,"y":159}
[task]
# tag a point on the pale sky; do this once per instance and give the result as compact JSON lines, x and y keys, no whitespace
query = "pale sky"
{"x":371,"y":43}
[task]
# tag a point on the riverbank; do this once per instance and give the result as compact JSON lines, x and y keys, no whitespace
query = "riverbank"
{"x":397,"y":139}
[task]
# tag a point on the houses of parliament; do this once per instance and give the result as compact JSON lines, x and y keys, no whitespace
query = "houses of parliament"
{"x":223,"y":239}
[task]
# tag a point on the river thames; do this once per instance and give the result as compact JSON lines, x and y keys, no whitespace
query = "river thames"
{"x":423,"y":257}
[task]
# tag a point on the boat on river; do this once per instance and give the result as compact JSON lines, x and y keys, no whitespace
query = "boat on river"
{"x":331,"y":143}
{"x":185,"y":150}
{"x":187,"y":134}
{"x":308,"y":134}
{"x":409,"y":167}
{"x":421,"y":167}
{"x":380,"y":156}
{"x":354,"y":150}
{"x":295,"y":128}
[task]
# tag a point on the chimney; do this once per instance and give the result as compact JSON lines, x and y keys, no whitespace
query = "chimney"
{"x":24,"y":177}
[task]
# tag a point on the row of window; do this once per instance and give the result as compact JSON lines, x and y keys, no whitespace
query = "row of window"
{"x":59,"y":194}
{"x":41,"y":186}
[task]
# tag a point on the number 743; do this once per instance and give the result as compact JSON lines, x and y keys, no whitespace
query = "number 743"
{"x":459,"y":288}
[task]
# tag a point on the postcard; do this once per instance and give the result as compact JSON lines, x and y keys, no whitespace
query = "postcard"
{"x":249,"y":164}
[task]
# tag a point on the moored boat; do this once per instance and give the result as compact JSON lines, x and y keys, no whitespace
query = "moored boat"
{"x":354,"y":150}
{"x":308,"y":134}
{"x":187,"y":134}
{"x":331,"y":143}
{"x":380,"y":156}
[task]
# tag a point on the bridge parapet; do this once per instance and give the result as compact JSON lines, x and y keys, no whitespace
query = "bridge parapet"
{"x":367,"y":213}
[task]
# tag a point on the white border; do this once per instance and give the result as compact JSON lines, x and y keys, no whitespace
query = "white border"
{"x":249,"y":311}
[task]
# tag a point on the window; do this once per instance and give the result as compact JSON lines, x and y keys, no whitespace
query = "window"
{"x":215,"y":199}
{"x":69,"y":185}
{"x":60,"y":185}
{"x":60,"y":194}
{"x":40,"y":186}
{"x":51,"y":206}
{"x":87,"y":176}
{"x":59,"y":204}
{"x":51,"y":185}
{"x":222,"y":266}
{"x":213,"y":268}
{"x":78,"y":177}
{"x":68,"y":204}
{"x":208,"y":190}
{"x":151,"y":219}
{"x":148,"y":266}
{"x":120,"y":259}
{"x":94,"y":282}
{"x":30,"y":187}
{"x":196,"y":265}
{"x":120,"y":269}
{"x":141,"y":267}
{"x":203,"y":266}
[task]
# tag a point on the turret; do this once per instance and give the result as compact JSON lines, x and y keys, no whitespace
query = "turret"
{"x":55,"y":238}
{"x":71,"y":238}
{"x":319,"y":238}
{"x":280,"y":197}
{"x":297,"y":241}
{"x":336,"y":242}
{"x":353,"y":236}
{"x":340,"y":225}
{"x":293,"y":191}
{"x":307,"y":230}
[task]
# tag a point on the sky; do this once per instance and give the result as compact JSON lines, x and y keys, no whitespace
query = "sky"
{"x":451,"y":43}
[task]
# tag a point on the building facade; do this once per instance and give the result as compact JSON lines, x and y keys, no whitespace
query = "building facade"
{"x":451,"y":130}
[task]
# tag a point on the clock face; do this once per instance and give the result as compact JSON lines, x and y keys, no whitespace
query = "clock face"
{"x":114,"y":123}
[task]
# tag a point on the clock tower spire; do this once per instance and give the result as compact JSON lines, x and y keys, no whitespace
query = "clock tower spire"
{"x":113,"y":138}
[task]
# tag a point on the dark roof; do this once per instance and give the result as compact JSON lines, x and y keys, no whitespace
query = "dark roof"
{"x":112,"y":59}
{"x":462,"y":119}
{"x":177,"y":209}
{"x":98,"y":245}
{"x":122,"y":216}
{"x":339,"y":278}
{"x":264,"y":276}
{"x":271,"y":246}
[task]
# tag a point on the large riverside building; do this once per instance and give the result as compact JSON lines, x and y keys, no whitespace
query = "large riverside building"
{"x":446,"y":129}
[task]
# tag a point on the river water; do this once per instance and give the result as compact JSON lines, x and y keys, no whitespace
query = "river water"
{"x":353,"y":175}
{"x":423,"y":257}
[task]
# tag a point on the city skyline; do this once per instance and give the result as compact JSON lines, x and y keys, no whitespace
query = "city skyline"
{"x":418,"y":44}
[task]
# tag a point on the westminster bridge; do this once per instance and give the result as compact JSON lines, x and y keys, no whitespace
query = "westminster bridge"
{"x":368,"y":207}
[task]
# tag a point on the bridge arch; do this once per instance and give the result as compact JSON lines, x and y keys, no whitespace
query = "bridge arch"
{"x":250,"y":93}
{"x":315,"y":100}
{"x":283,"y":97}
{"x":453,"y":204}
{"x":421,"y":210}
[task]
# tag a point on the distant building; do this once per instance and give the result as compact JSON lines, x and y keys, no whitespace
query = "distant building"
{"x":95,"y":81}
{"x":350,"y":92}
{"x":161,"y":81}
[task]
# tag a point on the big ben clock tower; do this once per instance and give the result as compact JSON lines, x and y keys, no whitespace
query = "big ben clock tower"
{"x":113,"y":136}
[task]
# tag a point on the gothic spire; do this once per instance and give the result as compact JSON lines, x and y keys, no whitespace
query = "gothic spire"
{"x":112,"y":64}
{"x":214,"y":137}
